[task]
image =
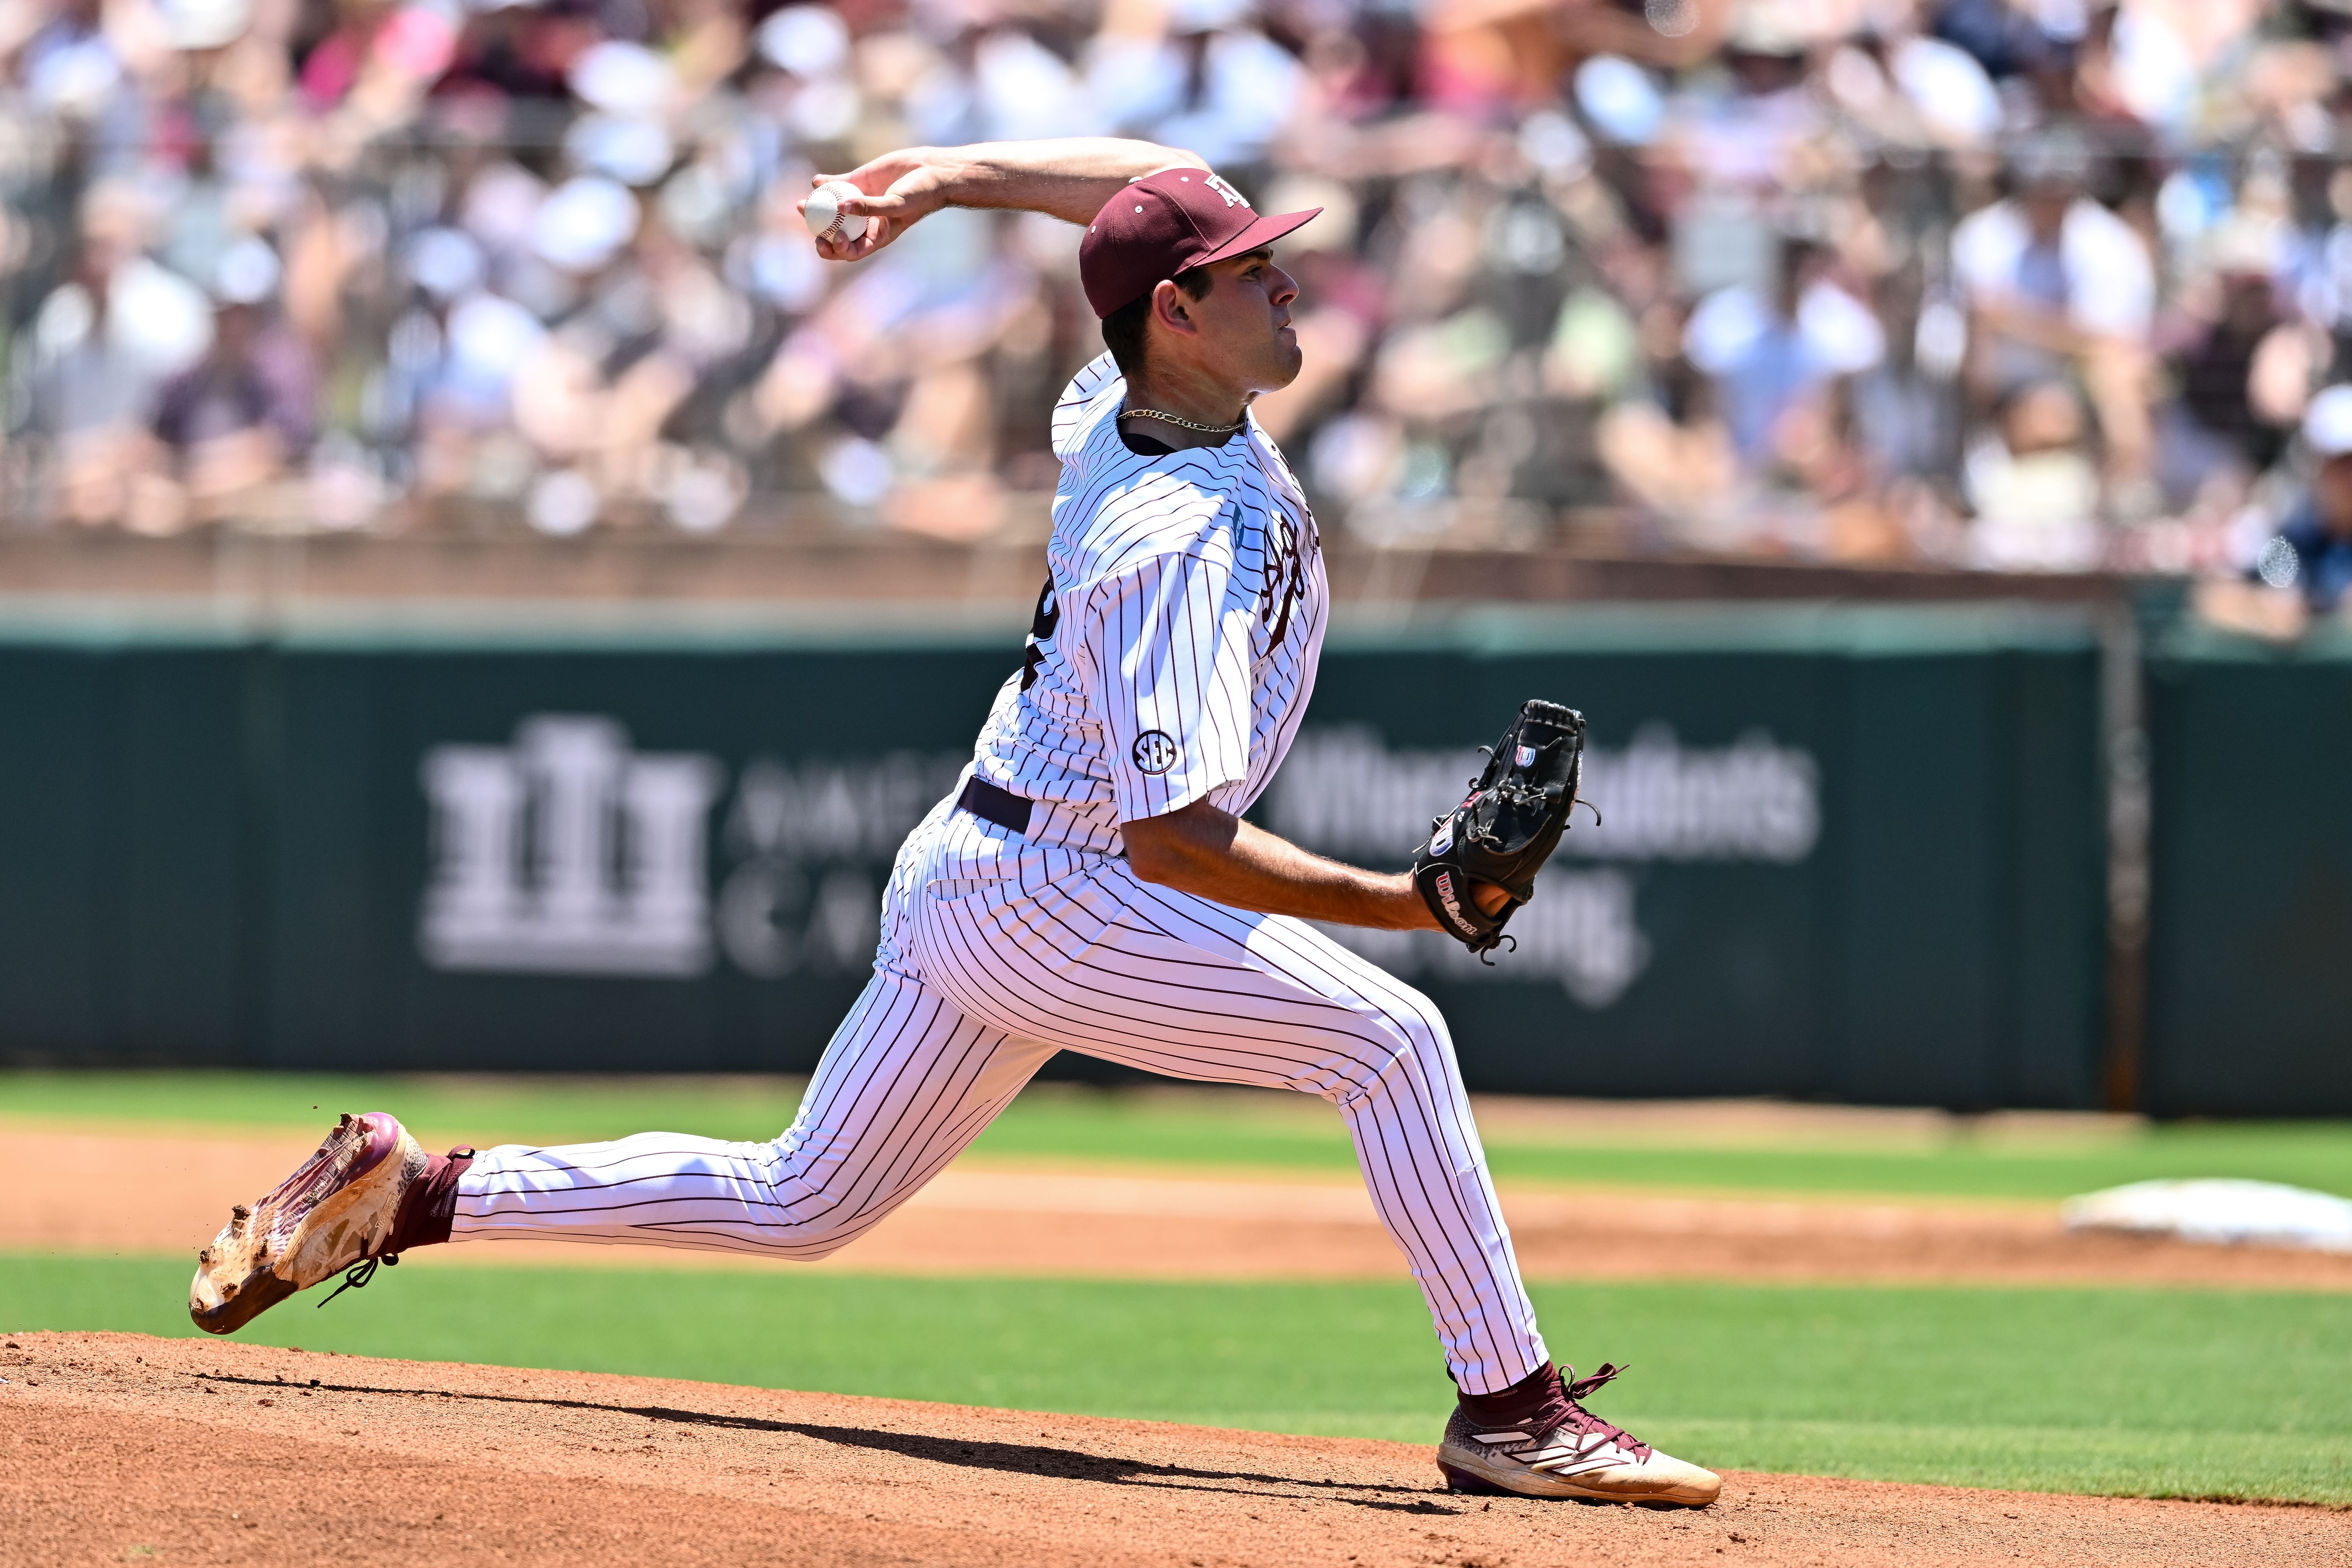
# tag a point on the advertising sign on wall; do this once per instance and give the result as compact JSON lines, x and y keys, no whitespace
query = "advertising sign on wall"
{"x":1346,"y":794}
{"x":1820,"y":860}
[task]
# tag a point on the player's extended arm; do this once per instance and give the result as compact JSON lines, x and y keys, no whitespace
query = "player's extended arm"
{"x":1068,"y":177}
{"x":1213,"y":854}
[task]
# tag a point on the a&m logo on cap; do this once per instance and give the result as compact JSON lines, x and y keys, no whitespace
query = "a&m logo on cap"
{"x":1234,"y":198}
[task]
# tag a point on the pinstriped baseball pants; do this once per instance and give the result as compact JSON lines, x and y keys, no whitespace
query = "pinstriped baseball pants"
{"x":986,"y":980}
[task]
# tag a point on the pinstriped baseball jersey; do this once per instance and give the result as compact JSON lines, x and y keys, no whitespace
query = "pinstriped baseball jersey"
{"x":1174,"y":643}
{"x":1171,"y":657}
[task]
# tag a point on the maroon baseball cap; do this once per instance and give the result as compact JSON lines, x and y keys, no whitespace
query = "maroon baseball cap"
{"x":1168,"y":223}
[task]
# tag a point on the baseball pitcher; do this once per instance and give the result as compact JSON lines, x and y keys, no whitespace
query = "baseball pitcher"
{"x":1091,"y":885}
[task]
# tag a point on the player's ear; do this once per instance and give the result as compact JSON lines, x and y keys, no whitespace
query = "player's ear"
{"x":1172,"y":305}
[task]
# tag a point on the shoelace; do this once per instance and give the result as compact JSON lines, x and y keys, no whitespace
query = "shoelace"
{"x":359,"y":1273}
{"x":1586,"y":1422}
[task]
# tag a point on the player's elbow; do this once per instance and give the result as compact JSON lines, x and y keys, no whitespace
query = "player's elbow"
{"x":1172,"y":849}
{"x":1154,"y":854}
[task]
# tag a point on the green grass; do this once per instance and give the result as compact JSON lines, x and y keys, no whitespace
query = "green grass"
{"x":1063,"y":1123}
{"x":2168,"y":1393}
{"x":2198,"y":1393}
{"x":485,"y":1108}
{"x":1277,"y":1132}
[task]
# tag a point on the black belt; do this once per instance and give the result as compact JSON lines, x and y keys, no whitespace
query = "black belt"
{"x":990,"y":803}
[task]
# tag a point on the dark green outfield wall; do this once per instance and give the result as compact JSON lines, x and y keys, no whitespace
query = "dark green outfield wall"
{"x":2250,"y":958}
{"x":131,"y":832}
{"x":1939,"y":942}
{"x":1846,"y":853}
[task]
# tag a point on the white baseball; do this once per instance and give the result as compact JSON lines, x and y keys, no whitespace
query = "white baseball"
{"x":825,"y":218}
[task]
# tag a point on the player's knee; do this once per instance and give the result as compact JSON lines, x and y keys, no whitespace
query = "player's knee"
{"x":810,"y":1237}
{"x":1415,"y":1022}
{"x":1411,"y":1043}
{"x":821,"y":1216}
{"x":818,"y":1247}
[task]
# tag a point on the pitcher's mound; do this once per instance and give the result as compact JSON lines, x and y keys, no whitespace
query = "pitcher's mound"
{"x":120,"y":1449}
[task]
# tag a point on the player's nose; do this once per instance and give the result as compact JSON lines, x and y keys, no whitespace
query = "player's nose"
{"x":1282,"y":287}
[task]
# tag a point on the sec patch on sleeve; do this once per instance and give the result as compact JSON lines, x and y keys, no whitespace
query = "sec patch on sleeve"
{"x":1155,"y":752}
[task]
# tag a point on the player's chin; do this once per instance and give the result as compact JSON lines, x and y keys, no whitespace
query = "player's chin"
{"x":1288,"y":360}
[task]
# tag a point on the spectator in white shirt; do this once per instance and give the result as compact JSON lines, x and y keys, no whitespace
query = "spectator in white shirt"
{"x":1768,"y":355}
{"x":2057,"y":286}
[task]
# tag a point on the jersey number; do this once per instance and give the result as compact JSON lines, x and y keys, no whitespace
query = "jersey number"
{"x":1041,"y":632}
{"x":1285,"y":576}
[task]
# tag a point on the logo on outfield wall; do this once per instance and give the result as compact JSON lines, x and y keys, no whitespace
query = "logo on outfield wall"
{"x":1345,"y":793}
{"x":807,"y":839}
{"x":568,"y":853}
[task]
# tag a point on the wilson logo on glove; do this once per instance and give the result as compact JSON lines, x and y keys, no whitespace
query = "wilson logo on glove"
{"x":1507,"y":828}
{"x":1446,"y":898}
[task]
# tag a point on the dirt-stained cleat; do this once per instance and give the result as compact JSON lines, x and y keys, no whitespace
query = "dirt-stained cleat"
{"x":335,"y":1213}
{"x":1563,"y":1451}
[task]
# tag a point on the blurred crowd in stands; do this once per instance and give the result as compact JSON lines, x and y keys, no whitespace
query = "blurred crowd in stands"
{"x":2017,"y":284}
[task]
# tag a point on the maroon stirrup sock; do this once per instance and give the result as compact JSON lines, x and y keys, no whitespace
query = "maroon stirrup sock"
{"x":430,"y":1206}
{"x":1526,"y":1403}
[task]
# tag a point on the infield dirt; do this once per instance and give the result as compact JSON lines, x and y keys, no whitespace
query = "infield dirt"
{"x":152,"y":1192}
{"x":118,"y":1448}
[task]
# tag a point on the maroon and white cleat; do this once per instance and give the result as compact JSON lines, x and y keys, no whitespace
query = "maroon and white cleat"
{"x":1561,"y":1449}
{"x":337,"y":1211}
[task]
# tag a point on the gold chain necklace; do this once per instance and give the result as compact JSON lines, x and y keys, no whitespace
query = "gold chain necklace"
{"x":1187,"y":424}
